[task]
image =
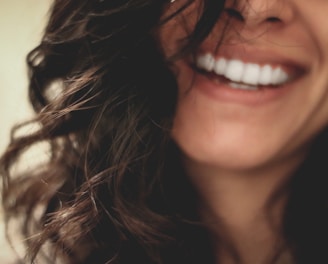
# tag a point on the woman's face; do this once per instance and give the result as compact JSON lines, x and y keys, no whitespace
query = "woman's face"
{"x":262,"y":95}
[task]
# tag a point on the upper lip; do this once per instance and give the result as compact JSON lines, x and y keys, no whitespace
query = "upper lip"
{"x":249,"y":54}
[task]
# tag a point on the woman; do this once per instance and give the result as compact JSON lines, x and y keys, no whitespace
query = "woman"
{"x":178,"y":132}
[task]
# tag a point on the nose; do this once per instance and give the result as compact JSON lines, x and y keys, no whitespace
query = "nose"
{"x":256,"y":14}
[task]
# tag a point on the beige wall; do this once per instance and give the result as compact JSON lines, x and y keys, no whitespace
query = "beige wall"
{"x":21,"y":24}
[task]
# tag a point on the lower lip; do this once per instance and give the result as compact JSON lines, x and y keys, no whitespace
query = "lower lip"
{"x":221,"y":91}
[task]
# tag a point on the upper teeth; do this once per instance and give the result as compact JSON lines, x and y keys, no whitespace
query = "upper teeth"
{"x":240,"y":72}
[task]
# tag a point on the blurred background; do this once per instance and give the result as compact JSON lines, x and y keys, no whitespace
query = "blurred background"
{"x":21,"y":27}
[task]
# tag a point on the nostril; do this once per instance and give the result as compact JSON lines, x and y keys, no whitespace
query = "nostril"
{"x":233,"y":13}
{"x":273,"y":19}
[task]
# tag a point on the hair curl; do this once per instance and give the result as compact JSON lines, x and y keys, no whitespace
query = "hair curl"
{"x":110,"y":190}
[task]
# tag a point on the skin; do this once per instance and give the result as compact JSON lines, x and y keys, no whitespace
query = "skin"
{"x":239,"y":154}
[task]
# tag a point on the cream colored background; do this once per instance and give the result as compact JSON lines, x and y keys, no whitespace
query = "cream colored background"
{"x":21,"y":25}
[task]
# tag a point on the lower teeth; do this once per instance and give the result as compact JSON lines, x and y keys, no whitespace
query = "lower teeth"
{"x":243,"y":86}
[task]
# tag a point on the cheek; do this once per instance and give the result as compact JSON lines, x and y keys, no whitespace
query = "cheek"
{"x":173,"y":33}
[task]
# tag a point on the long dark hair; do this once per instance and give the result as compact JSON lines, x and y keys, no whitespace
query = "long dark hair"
{"x":110,"y":190}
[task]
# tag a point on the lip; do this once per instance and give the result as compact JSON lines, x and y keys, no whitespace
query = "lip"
{"x":222,"y":92}
{"x":294,"y":65}
{"x":248,"y":52}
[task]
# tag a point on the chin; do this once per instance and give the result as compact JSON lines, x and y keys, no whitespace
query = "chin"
{"x":229,"y":151}
{"x":233,"y":159}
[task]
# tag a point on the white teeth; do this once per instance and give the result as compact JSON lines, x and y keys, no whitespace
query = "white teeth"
{"x":248,"y":74}
{"x":234,"y":70}
{"x":206,"y":62}
{"x":251,"y":73}
{"x":279,"y":76}
{"x":220,"y":66}
{"x":242,"y":86}
{"x":265,"y":75}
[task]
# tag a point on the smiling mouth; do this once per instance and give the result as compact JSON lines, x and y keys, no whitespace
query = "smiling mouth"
{"x":246,"y":76}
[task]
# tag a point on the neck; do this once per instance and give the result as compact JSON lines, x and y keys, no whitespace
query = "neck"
{"x":243,"y":208}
